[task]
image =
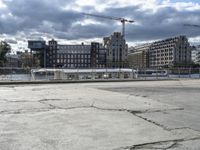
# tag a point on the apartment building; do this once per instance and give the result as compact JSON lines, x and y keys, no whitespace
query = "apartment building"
{"x":196,"y":54}
{"x":171,"y":52}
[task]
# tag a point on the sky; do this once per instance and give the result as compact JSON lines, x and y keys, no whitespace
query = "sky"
{"x":62,"y":20}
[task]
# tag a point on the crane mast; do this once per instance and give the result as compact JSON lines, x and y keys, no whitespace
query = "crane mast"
{"x":122,"y":20}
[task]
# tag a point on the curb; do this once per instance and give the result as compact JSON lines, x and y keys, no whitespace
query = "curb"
{"x":76,"y":81}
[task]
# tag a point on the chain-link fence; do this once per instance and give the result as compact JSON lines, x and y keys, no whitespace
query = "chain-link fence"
{"x":18,"y":74}
{"x":173,"y":73}
{"x":15,"y":74}
{"x":184,"y":73}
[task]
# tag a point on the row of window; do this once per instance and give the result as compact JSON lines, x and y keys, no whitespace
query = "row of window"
{"x":76,"y":65}
{"x":74,"y":51}
{"x":74,"y":47}
{"x":161,"y":50}
{"x":73,"y":60}
{"x":161,"y":58}
{"x":69,"y":56}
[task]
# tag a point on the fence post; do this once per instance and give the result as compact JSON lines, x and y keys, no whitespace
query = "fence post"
{"x":199,"y":72}
{"x":168,"y":73}
{"x":46,"y":75}
{"x":156,"y":73}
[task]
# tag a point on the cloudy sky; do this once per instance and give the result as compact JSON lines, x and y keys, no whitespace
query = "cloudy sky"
{"x":22,"y":20}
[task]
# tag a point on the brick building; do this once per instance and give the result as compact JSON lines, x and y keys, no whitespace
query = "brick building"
{"x":73,"y":56}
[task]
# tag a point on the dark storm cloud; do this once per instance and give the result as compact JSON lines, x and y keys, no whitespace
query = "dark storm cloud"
{"x":32,"y":14}
{"x":163,"y":23}
{"x":49,"y":17}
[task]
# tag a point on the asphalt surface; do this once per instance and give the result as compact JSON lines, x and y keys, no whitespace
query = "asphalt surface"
{"x":148,"y":115}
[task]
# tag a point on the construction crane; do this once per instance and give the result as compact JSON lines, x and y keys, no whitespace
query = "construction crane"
{"x":192,"y":25}
{"x":122,"y":20}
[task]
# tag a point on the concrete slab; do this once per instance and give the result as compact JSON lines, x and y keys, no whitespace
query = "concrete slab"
{"x":105,"y":99}
{"x":78,"y":129}
{"x":183,"y":94}
{"x":161,"y":114}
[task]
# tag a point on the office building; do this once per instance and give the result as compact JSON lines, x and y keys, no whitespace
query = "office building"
{"x":38,"y":50}
{"x":117,"y":50}
{"x":138,"y":57}
{"x":73,"y":56}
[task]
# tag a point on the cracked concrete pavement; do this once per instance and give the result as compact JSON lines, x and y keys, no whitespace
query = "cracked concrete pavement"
{"x":126,"y":115}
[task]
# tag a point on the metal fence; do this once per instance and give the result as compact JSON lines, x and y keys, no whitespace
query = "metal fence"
{"x":18,"y":74}
{"x":14,"y":74}
{"x":174,"y":73}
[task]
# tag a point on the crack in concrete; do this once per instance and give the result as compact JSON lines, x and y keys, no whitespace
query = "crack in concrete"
{"x":39,"y":89}
{"x":175,"y":144}
{"x":23,"y":111}
{"x":46,"y":100}
{"x":156,"y":110}
{"x":152,"y":145}
{"x":155,"y":145}
{"x":153,"y":122}
{"x":50,"y":105}
{"x":161,"y":145}
{"x":3,"y":100}
{"x":182,"y":128}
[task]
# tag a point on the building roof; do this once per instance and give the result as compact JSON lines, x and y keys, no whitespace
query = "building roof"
{"x":84,"y":70}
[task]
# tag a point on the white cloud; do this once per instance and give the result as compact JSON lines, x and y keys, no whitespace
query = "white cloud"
{"x":182,"y":6}
{"x":2,"y":5}
{"x":195,"y":40}
{"x":87,"y":22}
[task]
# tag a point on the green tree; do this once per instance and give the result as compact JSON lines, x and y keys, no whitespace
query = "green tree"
{"x":29,"y":60}
{"x":4,"y":49}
